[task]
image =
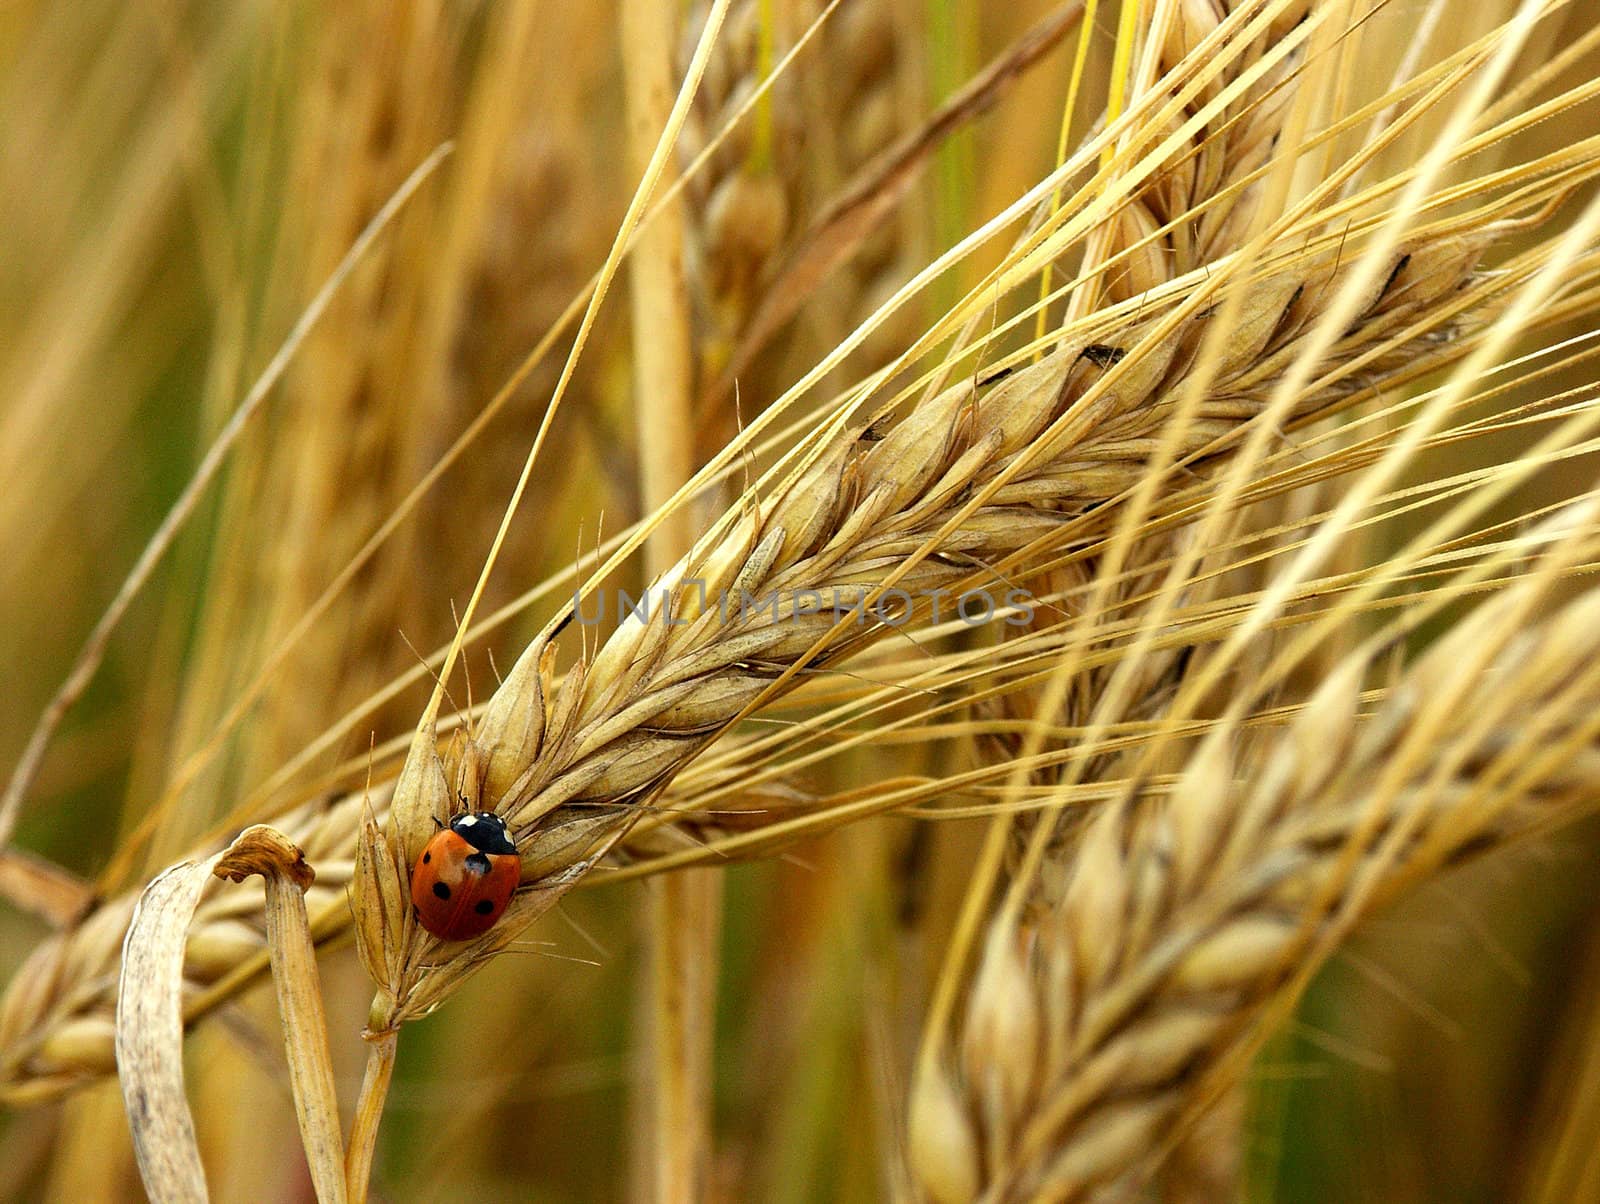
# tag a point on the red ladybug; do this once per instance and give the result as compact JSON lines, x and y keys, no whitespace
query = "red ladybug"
{"x":465,"y":877}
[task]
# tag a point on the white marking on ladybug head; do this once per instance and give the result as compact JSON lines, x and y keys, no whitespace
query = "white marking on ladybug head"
{"x":466,"y":821}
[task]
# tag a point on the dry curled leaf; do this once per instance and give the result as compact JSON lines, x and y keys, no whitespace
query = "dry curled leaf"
{"x":150,"y":1035}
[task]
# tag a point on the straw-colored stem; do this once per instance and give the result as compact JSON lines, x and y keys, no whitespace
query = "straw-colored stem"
{"x":681,"y":912}
{"x":369,"y":1113}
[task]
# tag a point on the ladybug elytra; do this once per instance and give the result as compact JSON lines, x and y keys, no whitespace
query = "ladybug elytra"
{"x":465,"y":877}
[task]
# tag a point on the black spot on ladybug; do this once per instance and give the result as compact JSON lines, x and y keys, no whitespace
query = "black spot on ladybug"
{"x":427,"y":857}
{"x":478,"y":863}
{"x":484,"y":906}
{"x":441,"y":889}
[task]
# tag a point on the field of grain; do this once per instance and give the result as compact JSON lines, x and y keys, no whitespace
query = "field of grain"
{"x":1021,"y":577}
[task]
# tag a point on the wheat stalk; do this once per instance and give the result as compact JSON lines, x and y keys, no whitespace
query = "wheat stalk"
{"x":974,"y":478}
{"x":672,"y":1085}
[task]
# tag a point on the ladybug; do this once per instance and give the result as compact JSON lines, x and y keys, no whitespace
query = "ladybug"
{"x":465,"y":877}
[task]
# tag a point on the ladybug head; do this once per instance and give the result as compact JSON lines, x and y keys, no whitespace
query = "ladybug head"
{"x":484,"y":831}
